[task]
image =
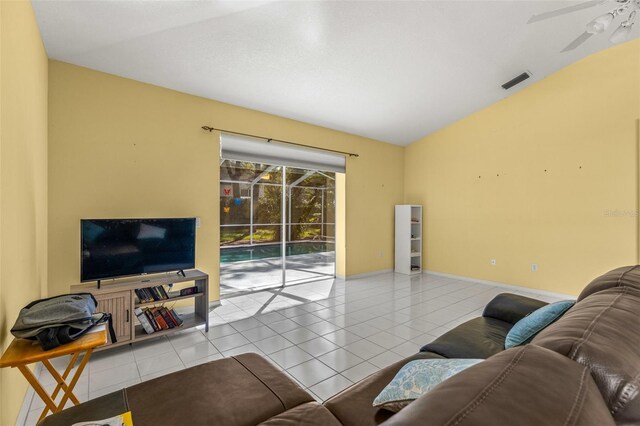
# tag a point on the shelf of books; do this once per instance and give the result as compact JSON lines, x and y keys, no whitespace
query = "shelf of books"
{"x":170,"y":299}
{"x":188,"y":320}
{"x":154,"y":317}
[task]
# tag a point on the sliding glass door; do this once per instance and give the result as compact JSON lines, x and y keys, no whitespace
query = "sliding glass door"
{"x":250,"y":226}
{"x":277,"y":225}
{"x":310,"y":225}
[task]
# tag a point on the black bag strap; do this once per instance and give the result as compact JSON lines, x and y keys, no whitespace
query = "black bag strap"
{"x":52,"y":337}
{"x":106,"y":317}
{"x":112,"y":332}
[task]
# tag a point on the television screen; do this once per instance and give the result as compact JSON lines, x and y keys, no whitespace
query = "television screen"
{"x":114,"y":248}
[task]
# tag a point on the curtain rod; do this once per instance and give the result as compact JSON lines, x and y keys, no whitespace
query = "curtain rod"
{"x":211,"y":129}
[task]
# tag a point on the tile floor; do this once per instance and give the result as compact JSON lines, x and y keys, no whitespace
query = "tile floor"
{"x":326,"y":335}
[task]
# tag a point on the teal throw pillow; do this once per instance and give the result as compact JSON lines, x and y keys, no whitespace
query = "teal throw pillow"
{"x":417,"y":378}
{"x":526,"y":329}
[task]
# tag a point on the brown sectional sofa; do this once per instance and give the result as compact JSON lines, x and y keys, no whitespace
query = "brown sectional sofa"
{"x":584,"y":369}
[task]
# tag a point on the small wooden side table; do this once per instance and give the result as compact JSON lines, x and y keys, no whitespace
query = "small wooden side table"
{"x":22,"y":352}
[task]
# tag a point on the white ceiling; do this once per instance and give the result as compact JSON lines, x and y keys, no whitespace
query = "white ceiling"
{"x":389,"y":70}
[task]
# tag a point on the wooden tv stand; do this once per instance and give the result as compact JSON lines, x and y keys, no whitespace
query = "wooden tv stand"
{"x":119,"y":298}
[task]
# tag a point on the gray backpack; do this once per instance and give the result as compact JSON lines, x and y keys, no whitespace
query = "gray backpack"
{"x":60,"y":319}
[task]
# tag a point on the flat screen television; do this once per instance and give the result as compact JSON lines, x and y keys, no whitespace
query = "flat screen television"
{"x":113,"y":248}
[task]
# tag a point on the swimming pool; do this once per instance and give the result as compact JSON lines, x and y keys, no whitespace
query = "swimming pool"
{"x":266,"y":251}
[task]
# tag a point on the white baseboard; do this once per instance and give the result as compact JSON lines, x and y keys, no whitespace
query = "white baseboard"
{"x":366,"y":274}
{"x":505,"y":285}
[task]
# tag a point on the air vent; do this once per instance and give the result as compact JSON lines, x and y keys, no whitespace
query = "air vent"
{"x":517,"y":80}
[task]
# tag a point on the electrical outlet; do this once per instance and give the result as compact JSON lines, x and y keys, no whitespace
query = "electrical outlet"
{"x":534,"y":267}
{"x":197,"y":222}
{"x":381,"y":253}
{"x":493,"y":262}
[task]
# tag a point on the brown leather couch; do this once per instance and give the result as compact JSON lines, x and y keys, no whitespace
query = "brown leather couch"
{"x":584,"y":369}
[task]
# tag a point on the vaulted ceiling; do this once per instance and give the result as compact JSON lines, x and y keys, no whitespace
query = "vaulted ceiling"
{"x":389,"y":70}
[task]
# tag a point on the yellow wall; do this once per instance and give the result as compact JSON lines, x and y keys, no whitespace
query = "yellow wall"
{"x":546,"y":176}
{"x":120,"y":148}
{"x":23,"y":180}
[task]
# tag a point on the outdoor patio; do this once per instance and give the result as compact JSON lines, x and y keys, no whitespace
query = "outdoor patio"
{"x":256,"y":274}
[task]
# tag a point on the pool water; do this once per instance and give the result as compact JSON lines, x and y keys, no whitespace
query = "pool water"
{"x":266,"y":251}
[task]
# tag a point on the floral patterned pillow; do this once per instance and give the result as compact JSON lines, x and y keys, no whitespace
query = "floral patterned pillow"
{"x":417,"y":378}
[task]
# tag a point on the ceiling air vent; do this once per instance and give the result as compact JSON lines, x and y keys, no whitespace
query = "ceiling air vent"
{"x":517,"y":80}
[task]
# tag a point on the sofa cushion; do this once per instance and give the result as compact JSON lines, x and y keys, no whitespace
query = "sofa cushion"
{"x":308,"y":414}
{"x":509,"y":388}
{"x":418,"y":377}
{"x":526,"y":329}
{"x":242,"y":390}
{"x":354,"y":405}
{"x":626,"y":276}
{"x":602,"y":332}
{"x":477,"y":338}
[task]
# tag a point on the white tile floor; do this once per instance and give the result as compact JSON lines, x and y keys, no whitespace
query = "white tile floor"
{"x":325,"y":335}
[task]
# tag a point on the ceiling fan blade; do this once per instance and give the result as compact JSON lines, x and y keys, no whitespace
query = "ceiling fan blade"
{"x":564,"y":10}
{"x":578,"y":41}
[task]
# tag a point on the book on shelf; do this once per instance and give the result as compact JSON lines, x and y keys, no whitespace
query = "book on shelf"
{"x":158,"y":318}
{"x":163,"y":292}
{"x":167,"y":318}
{"x":157,"y":294}
{"x":144,"y":321}
{"x":151,"y":294}
{"x":177,"y":317}
{"x":141,"y":295}
{"x":172,"y":318}
{"x":151,"y":319}
{"x":154,"y":293}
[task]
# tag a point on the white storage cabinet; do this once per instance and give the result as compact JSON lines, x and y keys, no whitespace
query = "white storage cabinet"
{"x":408,"y":253}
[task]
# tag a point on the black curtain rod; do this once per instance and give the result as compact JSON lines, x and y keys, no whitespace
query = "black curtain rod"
{"x":211,"y":129}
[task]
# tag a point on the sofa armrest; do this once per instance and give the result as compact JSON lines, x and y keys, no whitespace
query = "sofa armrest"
{"x":240,"y":390}
{"x":103,"y":407}
{"x":511,"y":307}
